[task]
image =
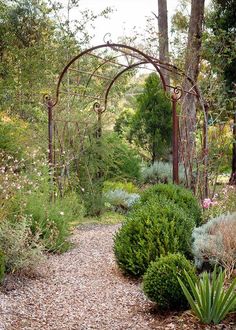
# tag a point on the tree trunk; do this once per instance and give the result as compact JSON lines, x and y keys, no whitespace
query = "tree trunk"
{"x":154,"y":151}
{"x":233,"y":174}
{"x":192,"y":61}
{"x":163,"y":36}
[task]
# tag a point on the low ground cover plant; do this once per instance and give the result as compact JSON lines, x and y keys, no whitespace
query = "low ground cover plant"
{"x":150,"y":230}
{"x":207,"y":297}
{"x":161,"y":285}
{"x":181,"y":196}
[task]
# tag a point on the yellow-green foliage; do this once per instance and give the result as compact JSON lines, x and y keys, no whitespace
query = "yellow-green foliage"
{"x":129,"y":187}
{"x":13,"y":135}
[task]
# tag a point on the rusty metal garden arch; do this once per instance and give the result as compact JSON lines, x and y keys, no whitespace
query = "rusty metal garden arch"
{"x":139,"y":58}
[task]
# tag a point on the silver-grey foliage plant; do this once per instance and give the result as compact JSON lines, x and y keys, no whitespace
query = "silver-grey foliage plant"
{"x":161,"y":171}
{"x":119,"y":198}
{"x":215,"y":243}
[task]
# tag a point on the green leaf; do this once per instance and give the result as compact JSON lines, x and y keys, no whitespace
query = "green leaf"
{"x":228,"y":301}
{"x":217,"y":294}
{"x":194,"y":289}
{"x":191,"y":301}
{"x":212,"y":302}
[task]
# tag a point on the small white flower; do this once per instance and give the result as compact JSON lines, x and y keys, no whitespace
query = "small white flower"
{"x":61,"y":213}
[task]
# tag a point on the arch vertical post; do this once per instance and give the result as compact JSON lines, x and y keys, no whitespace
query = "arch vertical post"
{"x":99,"y":175}
{"x":50,"y":144}
{"x":50,"y":133}
{"x":205,"y":152}
{"x":175,"y":139}
{"x":99,"y":136}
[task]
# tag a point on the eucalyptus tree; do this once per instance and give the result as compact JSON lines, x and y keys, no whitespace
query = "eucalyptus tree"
{"x":163,"y":36}
{"x":191,"y":67}
{"x":221,"y":53}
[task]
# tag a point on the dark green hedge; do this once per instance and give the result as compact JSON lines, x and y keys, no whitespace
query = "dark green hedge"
{"x":179,"y":195}
{"x":156,"y":228}
{"x":160,"y":282}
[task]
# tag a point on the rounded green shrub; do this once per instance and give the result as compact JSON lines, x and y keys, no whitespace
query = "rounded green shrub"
{"x":2,"y":266}
{"x":160,"y":282}
{"x":181,"y":196}
{"x":156,"y":228}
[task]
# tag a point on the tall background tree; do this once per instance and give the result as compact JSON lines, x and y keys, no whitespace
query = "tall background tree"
{"x":151,"y":123}
{"x":191,"y":68}
{"x":163,"y":36}
{"x":221,"y":53}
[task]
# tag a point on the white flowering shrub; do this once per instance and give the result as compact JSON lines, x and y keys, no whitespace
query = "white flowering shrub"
{"x":120,"y":200}
{"x":25,"y":191}
{"x":161,"y":172}
{"x":215,"y":243}
{"x":21,"y":174}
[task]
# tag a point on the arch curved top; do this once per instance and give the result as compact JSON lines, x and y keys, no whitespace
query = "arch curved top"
{"x":137,"y":54}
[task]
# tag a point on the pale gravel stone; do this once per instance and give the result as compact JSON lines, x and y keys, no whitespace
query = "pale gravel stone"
{"x":80,"y":290}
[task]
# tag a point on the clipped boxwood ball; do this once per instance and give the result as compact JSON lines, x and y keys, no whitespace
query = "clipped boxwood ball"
{"x":150,"y":230}
{"x":160,"y":282}
{"x":181,"y":196}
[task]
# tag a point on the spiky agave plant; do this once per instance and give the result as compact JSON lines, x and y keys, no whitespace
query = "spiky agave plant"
{"x":208,"y":298}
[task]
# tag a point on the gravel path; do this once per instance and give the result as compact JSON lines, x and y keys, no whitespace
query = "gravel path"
{"x":81,"y":289}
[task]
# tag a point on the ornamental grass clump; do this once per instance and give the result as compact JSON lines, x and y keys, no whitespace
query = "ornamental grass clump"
{"x":214,"y":243}
{"x":183,"y":197}
{"x":160,"y":282}
{"x":156,"y":228}
{"x":208,"y":298}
